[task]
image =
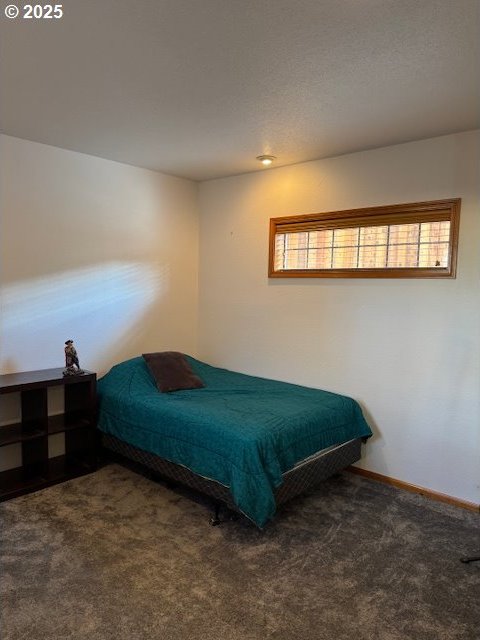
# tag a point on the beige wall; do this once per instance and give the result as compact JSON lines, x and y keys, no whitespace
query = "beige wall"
{"x":408,"y":350}
{"x":96,"y":251}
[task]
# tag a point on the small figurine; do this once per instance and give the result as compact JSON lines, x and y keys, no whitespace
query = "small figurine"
{"x":72,"y":366}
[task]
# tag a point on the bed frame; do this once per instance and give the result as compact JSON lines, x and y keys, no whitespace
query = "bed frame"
{"x":295,"y":481}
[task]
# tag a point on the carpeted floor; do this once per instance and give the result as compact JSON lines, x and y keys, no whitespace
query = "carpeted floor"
{"x":114,"y":556}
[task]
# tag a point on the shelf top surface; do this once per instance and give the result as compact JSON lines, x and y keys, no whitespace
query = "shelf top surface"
{"x":9,"y":381}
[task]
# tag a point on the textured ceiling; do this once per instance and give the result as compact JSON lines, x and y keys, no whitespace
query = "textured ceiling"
{"x":198,"y":88}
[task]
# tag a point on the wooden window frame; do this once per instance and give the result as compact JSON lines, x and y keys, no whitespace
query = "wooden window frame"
{"x":432,"y":211}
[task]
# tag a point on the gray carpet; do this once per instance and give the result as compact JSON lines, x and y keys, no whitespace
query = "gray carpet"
{"x":116,"y":556}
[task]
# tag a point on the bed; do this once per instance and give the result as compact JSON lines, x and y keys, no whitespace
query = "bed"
{"x":250,"y":442}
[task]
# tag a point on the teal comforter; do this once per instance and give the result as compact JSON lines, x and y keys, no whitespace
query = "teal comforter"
{"x":241,"y":431}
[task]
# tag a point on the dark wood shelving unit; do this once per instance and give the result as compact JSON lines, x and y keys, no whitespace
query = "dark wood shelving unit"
{"x":14,"y":433}
{"x":77,"y":423}
{"x":61,"y":423}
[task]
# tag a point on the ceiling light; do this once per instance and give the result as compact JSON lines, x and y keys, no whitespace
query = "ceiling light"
{"x":266,"y":160}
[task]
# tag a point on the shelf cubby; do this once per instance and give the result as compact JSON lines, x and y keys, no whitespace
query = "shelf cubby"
{"x":77,"y":423}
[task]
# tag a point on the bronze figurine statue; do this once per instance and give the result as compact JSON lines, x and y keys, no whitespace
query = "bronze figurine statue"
{"x":72,"y":365}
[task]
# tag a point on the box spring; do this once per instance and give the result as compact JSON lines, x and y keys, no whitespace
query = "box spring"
{"x":297,"y":480}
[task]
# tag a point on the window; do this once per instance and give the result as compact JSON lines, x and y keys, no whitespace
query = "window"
{"x":399,"y":241}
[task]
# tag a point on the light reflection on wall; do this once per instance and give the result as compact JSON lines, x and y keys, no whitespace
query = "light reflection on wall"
{"x":96,"y":306}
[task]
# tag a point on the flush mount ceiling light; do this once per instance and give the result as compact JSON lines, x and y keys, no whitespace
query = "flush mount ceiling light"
{"x":266,"y":160}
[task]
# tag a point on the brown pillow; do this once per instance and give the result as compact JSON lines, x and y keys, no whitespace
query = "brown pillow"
{"x":171,"y":371}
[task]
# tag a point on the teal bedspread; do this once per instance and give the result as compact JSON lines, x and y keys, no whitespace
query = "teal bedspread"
{"x":239,"y":430}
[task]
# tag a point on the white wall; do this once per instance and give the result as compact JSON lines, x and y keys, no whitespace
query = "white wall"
{"x":408,"y":350}
{"x":100,"y":252}
{"x":103,"y":253}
